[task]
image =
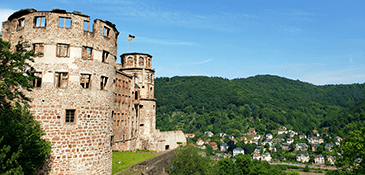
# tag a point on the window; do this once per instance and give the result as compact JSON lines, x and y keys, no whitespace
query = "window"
{"x":105,"y":56}
{"x":141,"y":61}
{"x":87,"y":53}
{"x":40,"y":21}
{"x":70,"y":116}
{"x":103,"y":82}
{"x":61,"y":79}
{"x":38,"y":49}
{"x":86,"y":25}
{"x":20,"y":23}
{"x":106,"y":31}
{"x":85,"y":81}
{"x":64,"y":22}
{"x":130,"y":61}
{"x":63,"y":50}
{"x":38,"y":81}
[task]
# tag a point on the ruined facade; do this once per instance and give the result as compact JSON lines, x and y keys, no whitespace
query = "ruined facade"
{"x":87,"y":104}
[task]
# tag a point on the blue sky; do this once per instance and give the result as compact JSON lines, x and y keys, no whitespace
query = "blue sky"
{"x":320,"y":42}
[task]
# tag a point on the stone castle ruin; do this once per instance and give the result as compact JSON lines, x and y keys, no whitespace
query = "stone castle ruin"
{"x":87,"y":104}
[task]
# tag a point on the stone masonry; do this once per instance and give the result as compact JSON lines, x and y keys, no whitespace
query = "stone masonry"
{"x":87,"y":104}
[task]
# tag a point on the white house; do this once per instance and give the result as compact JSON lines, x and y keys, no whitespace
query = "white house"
{"x":237,"y":151}
{"x":266,"y":156}
{"x":224,"y":147}
{"x":268,"y":136}
{"x":282,"y":130}
{"x":302,"y":157}
{"x":200,"y":142}
{"x":209,"y":133}
{"x":290,"y":140}
{"x":267,"y":141}
{"x":319,"y":159}
{"x":256,"y":137}
{"x":256,"y":156}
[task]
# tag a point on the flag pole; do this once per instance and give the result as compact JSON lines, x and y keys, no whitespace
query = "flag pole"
{"x":128,"y":46}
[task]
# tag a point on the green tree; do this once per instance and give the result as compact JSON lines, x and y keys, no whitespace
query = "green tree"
{"x":21,"y":148}
{"x":227,"y":167}
{"x":190,"y":160}
{"x":243,"y":163}
{"x":353,"y":147}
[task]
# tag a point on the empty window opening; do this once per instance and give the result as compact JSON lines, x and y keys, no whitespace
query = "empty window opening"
{"x":105,"y":56}
{"x":141,"y":125}
{"x":61,"y":79}
{"x":87,"y":53}
{"x":111,"y":140}
{"x":38,"y":49}
{"x":106,"y":31}
{"x":37,"y":82}
{"x":130,"y":61}
{"x":64,"y":22}
{"x":141,"y":61}
{"x":21,"y":23}
{"x":103,"y":82}
{"x":86,"y":25}
{"x":40,"y":21}
{"x":63,"y":50}
{"x":70,"y":115}
{"x":167,"y":147}
{"x":136,"y":96}
{"x":85,"y":80}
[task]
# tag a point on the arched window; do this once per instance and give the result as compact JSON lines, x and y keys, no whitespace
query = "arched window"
{"x":130,"y":61}
{"x":141,"y":61}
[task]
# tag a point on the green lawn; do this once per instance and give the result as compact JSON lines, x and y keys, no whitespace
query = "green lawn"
{"x":128,"y":159}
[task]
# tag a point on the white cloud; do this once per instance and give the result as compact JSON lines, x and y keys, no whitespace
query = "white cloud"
{"x":203,"y":61}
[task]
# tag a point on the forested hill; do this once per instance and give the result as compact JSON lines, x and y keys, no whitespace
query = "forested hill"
{"x":197,"y":104}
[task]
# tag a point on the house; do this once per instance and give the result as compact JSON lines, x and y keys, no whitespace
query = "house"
{"x":301,"y":146}
{"x":316,"y":133}
{"x":189,"y":136}
{"x":257,"y":137}
{"x":278,"y":140}
{"x":291,"y":134}
{"x":328,"y":147}
{"x":331,"y":159}
{"x":256,"y":156}
{"x":257,"y":150}
{"x":266,"y":156}
{"x":272,"y":148}
{"x":209,"y":133}
{"x":267,"y":142}
{"x":234,"y":141}
{"x":222,"y":134}
{"x":255,"y":141}
{"x":202,"y":147}
{"x":302,"y":157}
{"x":237,"y":151}
{"x":246,"y":140}
{"x":224,"y":147}
{"x":315,"y":140}
{"x":285,"y":146}
{"x":290,"y":140}
{"x":302,"y":136}
{"x":214,"y":145}
{"x":319,"y":159}
{"x":314,"y":147}
{"x":207,"y":141}
{"x":268,"y":136}
{"x":200,"y":142}
{"x":282,"y":130}
{"x":230,"y":137}
{"x":338,"y":140}
{"x":251,"y":131}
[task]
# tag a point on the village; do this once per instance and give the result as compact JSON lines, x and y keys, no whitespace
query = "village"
{"x":280,"y":147}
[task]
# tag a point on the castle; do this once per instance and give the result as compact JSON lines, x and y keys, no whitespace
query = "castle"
{"x":87,"y":104}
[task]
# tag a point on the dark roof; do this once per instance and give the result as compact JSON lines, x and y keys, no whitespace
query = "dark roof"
{"x":136,"y":86}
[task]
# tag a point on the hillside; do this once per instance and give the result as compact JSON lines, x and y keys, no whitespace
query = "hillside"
{"x":197,"y":104}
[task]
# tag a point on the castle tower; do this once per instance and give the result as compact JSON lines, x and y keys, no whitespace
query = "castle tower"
{"x":73,"y":99}
{"x":139,"y":65}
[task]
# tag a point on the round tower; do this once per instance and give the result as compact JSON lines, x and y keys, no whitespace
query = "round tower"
{"x":73,"y":97}
{"x":140,"y":66}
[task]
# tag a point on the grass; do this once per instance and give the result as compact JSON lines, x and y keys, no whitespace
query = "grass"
{"x":127,"y":159}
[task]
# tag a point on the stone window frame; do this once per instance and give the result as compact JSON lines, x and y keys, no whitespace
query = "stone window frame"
{"x":103,"y":82}
{"x":58,"y":51}
{"x":105,"y":56}
{"x":21,"y":23}
{"x":87,"y":53}
{"x":67,"y":119}
{"x":130,"y":61}
{"x":37,"y":82}
{"x":38,"y":49}
{"x":86,"y":85}
{"x":65,"y":22}
{"x":38,"y":21}
{"x":58,"y":82}
{"x":106,"y":31}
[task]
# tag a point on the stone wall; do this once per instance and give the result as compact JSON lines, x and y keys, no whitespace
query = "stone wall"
{"x":156,"y":165}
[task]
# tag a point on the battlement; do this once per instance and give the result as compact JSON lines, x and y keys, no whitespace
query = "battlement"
{"x":136,"y":60}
